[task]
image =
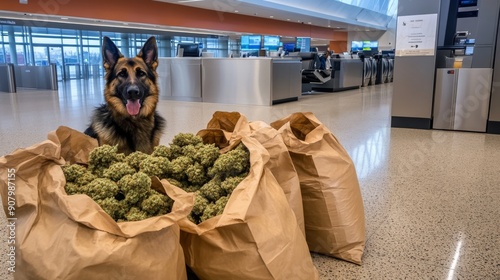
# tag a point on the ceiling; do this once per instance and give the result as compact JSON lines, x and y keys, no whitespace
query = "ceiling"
{"x":331,"y":14}
{"x":326,"y":13}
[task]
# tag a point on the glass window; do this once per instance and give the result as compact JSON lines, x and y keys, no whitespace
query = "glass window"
{"x":2,"y":54}
{"x":21,"y":56}
{"x":69,"y":41}
{"x":92,"y":55}
{"x":46,"y":40}
{"x":8,"y":58}
{"x":41,"y":56}
{"x":18,"y":38}
{"x":70,"y":49}
{"x":71,"y":55}
{"x":386,"y":7}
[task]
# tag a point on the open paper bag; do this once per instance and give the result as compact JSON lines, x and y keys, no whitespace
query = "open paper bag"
{"x":257,"y":235}
{"x":234,"y":125}
{"x":71,"y":237}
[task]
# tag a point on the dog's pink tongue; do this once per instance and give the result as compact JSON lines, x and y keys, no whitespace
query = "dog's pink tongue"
{"x":133,"y":107}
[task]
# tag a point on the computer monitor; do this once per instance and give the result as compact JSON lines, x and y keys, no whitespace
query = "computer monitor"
{"x":356,"y":46}
{"x":304,"y":44}
{"x":251,"y":42}
{"x":289,"y":47}
{"x":189,"y":49}
{"x":370,"y":47}
{"x":271,"y":43}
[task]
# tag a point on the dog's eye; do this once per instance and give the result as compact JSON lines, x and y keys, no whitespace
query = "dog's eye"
{"x":140,"y":73}
{"x":122,"y":74}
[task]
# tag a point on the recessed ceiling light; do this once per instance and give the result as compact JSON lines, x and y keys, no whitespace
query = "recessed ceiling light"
{"x":329,"y":26}
{"x":288,"y":19}
{"x":271,"y":16}
{"x":309,"y":22}
{"x":236,"y":11}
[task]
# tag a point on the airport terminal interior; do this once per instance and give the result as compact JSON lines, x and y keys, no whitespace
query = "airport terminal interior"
{"x":421,"y":124}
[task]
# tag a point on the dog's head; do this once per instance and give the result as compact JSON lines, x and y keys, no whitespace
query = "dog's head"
{"x":131,"y":86}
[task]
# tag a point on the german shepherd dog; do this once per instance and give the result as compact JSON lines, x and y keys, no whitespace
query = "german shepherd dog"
{"x":129,"y":118}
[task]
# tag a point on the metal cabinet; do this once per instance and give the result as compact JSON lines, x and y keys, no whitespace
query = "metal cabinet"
{"x":462,"y":97}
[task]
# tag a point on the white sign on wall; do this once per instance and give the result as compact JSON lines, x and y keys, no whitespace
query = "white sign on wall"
{"x":416,"y":35}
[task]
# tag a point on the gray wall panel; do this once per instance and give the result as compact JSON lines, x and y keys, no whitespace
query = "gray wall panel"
{"x":413,"y":86}
{"x":483,"y":57}
{"x":495,"y":89}
{"x":487,"y":22}
{"x":417,"y":7}
{"x":443,"y":21}
{"x":414,"y":75}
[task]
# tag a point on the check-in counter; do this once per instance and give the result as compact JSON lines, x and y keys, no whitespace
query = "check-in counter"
{"x":237,"y":80}
{"x":287,"y":80}
{"x":350,"y":74}
{"x":180,"y":78}
{"x":344,"y":74}
{"x":250,"y":81}
{"x":39,"y":77}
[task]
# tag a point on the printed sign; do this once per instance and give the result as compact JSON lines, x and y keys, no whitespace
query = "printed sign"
{"x":416,"y":35}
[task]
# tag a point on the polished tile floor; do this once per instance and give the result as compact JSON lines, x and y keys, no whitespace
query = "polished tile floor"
{"x":432,"y":198}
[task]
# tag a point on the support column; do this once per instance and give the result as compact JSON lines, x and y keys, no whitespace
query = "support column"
{"x":12,"y":45}
{"x":414,"y":75}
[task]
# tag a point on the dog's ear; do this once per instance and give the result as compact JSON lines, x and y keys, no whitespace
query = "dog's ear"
{"x":149,"y":53}
{"x":110,"y":53}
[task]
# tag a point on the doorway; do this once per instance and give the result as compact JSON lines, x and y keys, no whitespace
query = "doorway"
{"x":45,"y":55}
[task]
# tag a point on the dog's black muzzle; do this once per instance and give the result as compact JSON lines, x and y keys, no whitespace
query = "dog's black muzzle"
{"x":132,"y":93}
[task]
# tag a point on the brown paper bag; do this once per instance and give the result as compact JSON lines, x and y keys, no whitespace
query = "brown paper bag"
{"x":71,"y":237}
{"x":229,"y":122}
{"x":234,"y":125}
{"x":257,"y":235}
{"x":281,"y":166}
{"x":333,"y":207}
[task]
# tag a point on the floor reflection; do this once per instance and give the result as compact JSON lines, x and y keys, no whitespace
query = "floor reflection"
{"x":373,"y":152}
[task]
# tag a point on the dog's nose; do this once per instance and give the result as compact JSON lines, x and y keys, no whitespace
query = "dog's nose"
{"x":133,"y":92}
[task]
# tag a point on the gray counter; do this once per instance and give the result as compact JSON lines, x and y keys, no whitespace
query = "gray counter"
{"x":180,"y":78}
{"x":250,"y":81}
{"x":39,"y":77}
{"x":237,"y":80}
{"x":287,"y":80}
{"x":7,"y":78}
{"x":351,"y":72}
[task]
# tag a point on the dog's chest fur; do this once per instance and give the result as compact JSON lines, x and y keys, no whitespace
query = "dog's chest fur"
{"x":138,"y":134}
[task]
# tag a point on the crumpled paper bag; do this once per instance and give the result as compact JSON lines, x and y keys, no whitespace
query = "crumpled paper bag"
{"x":233,"y":125}
{"x":71,"y":237}
{"x":256,"y":237}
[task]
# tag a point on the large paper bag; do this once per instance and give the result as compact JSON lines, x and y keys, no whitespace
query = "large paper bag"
{"x":234,"y":125}
{"x":333,"y":206}
{"x":257,"y":235}
{"x":71,"y":237}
